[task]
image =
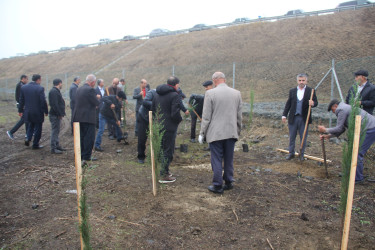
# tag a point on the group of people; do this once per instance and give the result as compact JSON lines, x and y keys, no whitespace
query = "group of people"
{"x":219,"y":110}
{"x":301,"y":100}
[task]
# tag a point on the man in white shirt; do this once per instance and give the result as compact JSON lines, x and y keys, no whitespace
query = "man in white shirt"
{"x":297,"y":106}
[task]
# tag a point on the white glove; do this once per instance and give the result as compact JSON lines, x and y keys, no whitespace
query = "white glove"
{"x":200,"y":139}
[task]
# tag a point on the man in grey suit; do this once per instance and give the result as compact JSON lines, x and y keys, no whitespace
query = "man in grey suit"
{"x":221,"y":126}
{"x":139,"y":94}
{"x":342,"y":111}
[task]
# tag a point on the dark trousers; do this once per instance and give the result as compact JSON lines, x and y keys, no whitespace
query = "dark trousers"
{"x":36,"y":130}
{"x":142,"y":137}
{"x":368,"y":141}
{"x":167,"y":145}
{"x":71,"y":120}
{"x":298,"y":126}
{"x":222,"y":150}
{"x":87,"y":132}
{"x":136,"y":123}
{"x":193,"y":126}
{"x":18,"y":125}
{"x":97,"y":118}
{"x":55,"y":131}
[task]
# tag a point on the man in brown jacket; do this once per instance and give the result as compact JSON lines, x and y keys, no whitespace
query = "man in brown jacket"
{"x":221,"y":126}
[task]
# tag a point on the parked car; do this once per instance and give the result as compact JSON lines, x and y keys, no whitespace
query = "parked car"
{"x":294,"y":12}
{"x":242,"y":20}
{"x":353,"y":3}
{"x":104,"y":41}
{"x":64,"y":48}
{"x":79,"y":46}
{"x":42,"y":52}
{"x":199,"y":27}
{"x":128,"y":38}
{"x":158,"y":32}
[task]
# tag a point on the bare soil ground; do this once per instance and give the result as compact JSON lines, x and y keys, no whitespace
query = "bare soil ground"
{"x":270,"y":204}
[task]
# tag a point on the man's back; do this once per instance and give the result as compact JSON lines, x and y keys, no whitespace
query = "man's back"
{"x":33,"y":101}
{"x":85,"y":106}
{"x":72,"y":94}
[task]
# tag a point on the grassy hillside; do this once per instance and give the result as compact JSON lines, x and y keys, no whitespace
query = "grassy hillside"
{"x":267,"y":55}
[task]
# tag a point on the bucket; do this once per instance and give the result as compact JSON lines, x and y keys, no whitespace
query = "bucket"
{"x":184,"y":148}
{"x":245,"y":148}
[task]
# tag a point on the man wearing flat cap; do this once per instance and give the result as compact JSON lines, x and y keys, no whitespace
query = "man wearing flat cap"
{"x":196,"y":101}
{"x":366,"y":91}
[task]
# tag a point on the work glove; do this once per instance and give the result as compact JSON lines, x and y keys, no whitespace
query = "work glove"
{"x":200,"y":139}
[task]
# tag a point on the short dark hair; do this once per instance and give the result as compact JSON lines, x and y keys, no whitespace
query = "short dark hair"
{"x":36,"y":77}
{"x":23,"y":76}
{"x":333,"y":102}
{"x":56,"y":82}
{"x":173,"y":81}
{"x":121,"y":95}
{"x":76,"y":78}
{"x":122,"y":80}
{"x":99,"y":81}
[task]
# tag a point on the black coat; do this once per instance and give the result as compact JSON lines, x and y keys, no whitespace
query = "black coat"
{"x":146,"y":105}
{"x":367,"y":97}
{"x":196,"y":101}
{"x":138,"y":97}
{"x":56,"y":102}
{"x":291,"y":104}
{"x":168,"y":102}
{"x":33,"y":103}
{"x":106,"y":110}
{"x":72,"y":95}
{"x":85,"y":105}
{"x":97,"y":91}
{"x":18,"y":91}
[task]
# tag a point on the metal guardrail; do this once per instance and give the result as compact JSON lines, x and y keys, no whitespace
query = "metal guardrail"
{"x":223,"y":25}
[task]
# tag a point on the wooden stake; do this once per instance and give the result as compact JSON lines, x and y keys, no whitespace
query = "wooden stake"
{"x":77,"y":157}
{"x":307,"y":122}
{"x":307,"y":156}
{"x":152,"y":155}
{"x":106,"y":90}
{"x":349,"y":202}
{"x":324,"y":156}
{"x":195,"y":112}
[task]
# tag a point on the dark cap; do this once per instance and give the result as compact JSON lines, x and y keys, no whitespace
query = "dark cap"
{"x":207,"y":83}
{"x":361,"y":73}
{"x":121,"y":95}
{"x":333,"y":102}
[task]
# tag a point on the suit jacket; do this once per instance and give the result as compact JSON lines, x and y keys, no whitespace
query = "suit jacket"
{"x":342,"y":112}
{"x":85,"y":106}
{"x":97,"y":91}
{"x":291,"y":104}
{"x":56,"y":102}
{"x":138,"y":97}
{"x":146,"y":105}
{"x":367,"y":97}
{"x":72,"y":94}
{"x":167,"y":99}
{"x":222,"y":114}
{"x":33,"y":103}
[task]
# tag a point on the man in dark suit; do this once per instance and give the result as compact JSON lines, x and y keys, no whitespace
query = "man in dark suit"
{"x":139,"y":94}
{"x":196,"y":102}
{"x":167,"y":102}
{"x":56,"y":113}
{"x":100,"y":93}
{"x":32,"y":106}
{"x":297,"y":107}
{"x":84,"y":113}
{"x":113,"y":90}
{"x":72,"y":96}
{"x":366,"y":91}
{"x":23,"y":81}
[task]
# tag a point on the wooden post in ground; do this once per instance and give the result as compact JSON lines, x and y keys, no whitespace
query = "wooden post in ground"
{"x":77,"y":159}
{"x":324,"y":157}
{"x":152,"y":155}
{"x":349,"y":202}
{"x":307,"y":122}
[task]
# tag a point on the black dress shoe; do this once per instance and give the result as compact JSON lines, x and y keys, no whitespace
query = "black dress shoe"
{"x":99,"y":149}
{"x":27,"y":143}
{"x":60,"y":148}
{"x":289,"y":157}
{"x":56,"y":151}
{"x":93,"y":159}
{"x":216,"y":189}
{"x":361,"y":182}
{"x":140,"y":161}
{"x":38,"y":147}
{"x":193,"y":140}
{"x":228,"y":186}
{"x":111,"y":137}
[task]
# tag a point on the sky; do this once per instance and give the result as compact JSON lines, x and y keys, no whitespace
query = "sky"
{"x":30,"y":26}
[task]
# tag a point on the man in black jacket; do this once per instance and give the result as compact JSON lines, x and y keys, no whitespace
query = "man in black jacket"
{"x":196,"y":102}
{"x":72,"y":95}
{"x":139,"y":94}
{"x":56,"y":113}
{"x":108,"y":114}
{"x":297,"y":106}
{"x":366,"y":91}
{"x":86,"y":102}
{"x":33,"y":107}
{"x":167,"y":103}
{"x":22,"y":82}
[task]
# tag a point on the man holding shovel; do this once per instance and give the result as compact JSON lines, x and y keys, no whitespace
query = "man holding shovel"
{"x":298,"y":106}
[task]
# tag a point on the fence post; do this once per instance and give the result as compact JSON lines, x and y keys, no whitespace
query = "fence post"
{"x":234,"y":73}
{"x":123,"y":73}
{"x":6,"y":89}
{"x":66,"y":84}
{"x":46,"y":90}
{"x":332,"y":86}
{"x":173,"y":70}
